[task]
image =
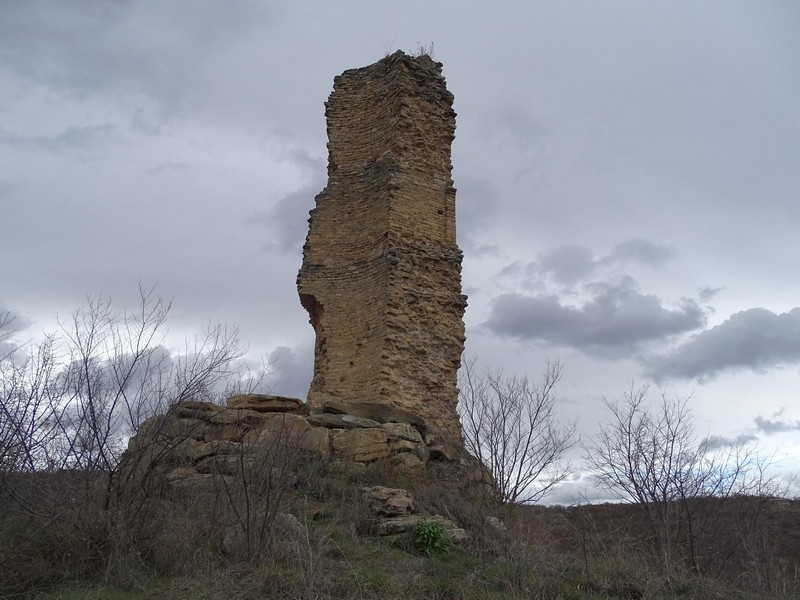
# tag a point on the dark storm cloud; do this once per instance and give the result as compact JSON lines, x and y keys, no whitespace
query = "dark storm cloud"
{"x":477,"y":206}
{"x":755,"y":339}
{"x":287,"y":220}
{"x":769,"y":426}
{"x":162,"y":56}
{"x":291,"y":370}
{"x":615,"y":320}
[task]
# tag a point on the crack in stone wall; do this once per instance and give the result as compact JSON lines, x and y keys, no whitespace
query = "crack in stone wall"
{"x":381,"y":273}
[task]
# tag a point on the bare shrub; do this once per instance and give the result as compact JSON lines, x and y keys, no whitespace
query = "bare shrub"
{"x":68,"y":404}
{"x":510,"y":426}
{"x":257,"y":498}
{"x":680,"y":481}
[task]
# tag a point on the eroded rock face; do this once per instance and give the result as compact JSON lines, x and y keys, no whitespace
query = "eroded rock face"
{"x":195,"y":441}
{"x":381,"y":273}
{"x":264,"y":403}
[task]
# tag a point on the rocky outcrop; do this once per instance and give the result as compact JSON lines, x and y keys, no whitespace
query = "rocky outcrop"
{"x":196,"y":440}
{"x":381,"y":273}
{"x":264,"y":403}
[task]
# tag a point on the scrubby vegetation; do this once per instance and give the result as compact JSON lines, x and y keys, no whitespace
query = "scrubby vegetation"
{"x":57,"y":540}
{"x":285,"y":524}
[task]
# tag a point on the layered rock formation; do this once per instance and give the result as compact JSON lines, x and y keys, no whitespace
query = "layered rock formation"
{"x":239,"y":466}
{"x":196,"y":442}
{"x":381,"y":273}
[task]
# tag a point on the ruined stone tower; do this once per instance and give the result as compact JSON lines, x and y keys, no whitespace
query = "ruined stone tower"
{"x":381,"y":273}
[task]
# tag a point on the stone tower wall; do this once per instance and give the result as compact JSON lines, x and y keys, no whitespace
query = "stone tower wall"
{"x":381,"y":274}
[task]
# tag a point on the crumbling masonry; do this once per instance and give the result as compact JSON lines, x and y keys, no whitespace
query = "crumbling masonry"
{"x":381,"y":273}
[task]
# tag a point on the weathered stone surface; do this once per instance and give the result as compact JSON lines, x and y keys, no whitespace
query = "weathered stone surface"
{"x":496,"y":523}
{"x":181,"y":473}
{"x":226,"y":464}
{"x":395,"y":525}
{"x":197,"y":486}
{"x":419,"y":451}
{"x":456,"y":534}
{"x":440,"y":447}
{"x":232,"y":432}
{"x":381,"y":273}
{"x":422,"y":452}
{"x":316,"y":440}
{"x":397,"y":513}
{"x":284,"y":429}
{"x":442,"y":452}
{"x":167,"y":428}
{"x":398,"y":446}
{"x":182,"y":452}
{"x":230,"y":416}
{"x":389,"y":502}
{"x":221,"y":447}
{"x":334,"y":421}
{"x":402,"y":431}
{"x":361,"y":445}
{"x":407,"y":461}
{"x":193,"y":409}
{"x":265,"y":403}
{"x":382,"y":413}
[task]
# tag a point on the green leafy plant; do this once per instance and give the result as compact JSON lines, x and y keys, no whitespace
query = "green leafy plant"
{"x":430,"y":538}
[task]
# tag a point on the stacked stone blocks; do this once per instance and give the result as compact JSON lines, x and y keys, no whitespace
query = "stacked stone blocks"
{"x":381,"y":273}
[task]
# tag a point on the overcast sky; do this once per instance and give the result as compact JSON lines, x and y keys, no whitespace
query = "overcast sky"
{"x":627,"y":176}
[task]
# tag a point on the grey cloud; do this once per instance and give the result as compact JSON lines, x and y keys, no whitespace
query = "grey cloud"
{"x":570,"y":264}
{"x":11,"y":321}
{"x":477,"y":208}
{"x":170,"y":165}
{"x":582,"y":487}
{"x":5,"y":188}
{"x":74,"y":137}
{"x":149,"y":120}
{"x":755,"y":339}
{"x":640,"y":250}
{"x":770,"y":427}
{"x":292,"y":369}
{"x":287,"y":219}
{"x":281,"y":146}
{"x":161,"y":56}
{"x":720,"y":442}
{"x":616,"y":320}
{"x":512,"y":270}
{"x":708,"y":293}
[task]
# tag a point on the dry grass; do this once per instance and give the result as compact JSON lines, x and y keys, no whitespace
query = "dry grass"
{"x":57,"y":540}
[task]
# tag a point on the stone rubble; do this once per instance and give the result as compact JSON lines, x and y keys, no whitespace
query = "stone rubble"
{"x":397,"y":513}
